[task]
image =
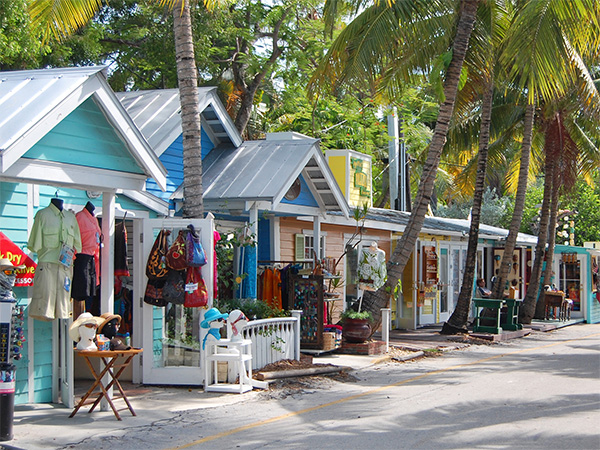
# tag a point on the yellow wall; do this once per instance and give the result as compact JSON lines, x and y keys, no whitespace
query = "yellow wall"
{"x":337,"y":164}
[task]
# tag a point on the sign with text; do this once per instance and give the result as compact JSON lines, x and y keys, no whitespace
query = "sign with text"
{"x":9,"y":250}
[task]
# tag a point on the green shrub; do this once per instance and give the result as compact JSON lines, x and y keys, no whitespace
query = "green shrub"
{"x":252,"y":308}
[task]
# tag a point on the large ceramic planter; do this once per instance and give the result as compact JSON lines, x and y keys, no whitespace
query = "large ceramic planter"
{"x":356,"y":330}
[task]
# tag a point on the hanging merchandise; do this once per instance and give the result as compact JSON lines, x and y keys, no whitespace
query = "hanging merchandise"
{"x":196,"y":294}
{"x":154,"y":293}
{"x":195,"y":253}
{"x":156,"y":267}
{"x":55,"y":237}
{"x":121,"y":265}
{"x":176,"y":255}
{"x":174,"y":289}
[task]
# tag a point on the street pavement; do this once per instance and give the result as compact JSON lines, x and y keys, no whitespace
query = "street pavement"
{"x":174,"y":417}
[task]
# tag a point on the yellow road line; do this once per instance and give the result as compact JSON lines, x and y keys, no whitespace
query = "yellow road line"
{"x":369,"y":392}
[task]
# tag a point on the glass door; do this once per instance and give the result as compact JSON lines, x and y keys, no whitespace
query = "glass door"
{"x":171,"y":335}
{"x":428,"y":286}
{"x":444,"y":309}
{"x":570,"y":272}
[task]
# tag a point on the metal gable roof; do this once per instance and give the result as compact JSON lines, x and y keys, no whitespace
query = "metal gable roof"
{"x":35,"y":101}
{"x":157,"y":114}
{"x":264,"y":171}
{"x":441,"y":225}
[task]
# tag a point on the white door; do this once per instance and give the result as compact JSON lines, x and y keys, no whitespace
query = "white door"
{"x":171,"y":335}
{"x":63,"y":364}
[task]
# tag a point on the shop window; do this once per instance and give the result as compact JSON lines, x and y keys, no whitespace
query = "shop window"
{"x":305,"y":247}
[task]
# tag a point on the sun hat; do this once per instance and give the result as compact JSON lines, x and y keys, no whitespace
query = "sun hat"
{"x":84,"y":319}
{"x":107,"y":317}
{"x":212,"y":314}
{"x":6,"y":263}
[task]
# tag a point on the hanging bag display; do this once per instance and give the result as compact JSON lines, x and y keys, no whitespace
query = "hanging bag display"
{"x":176,"y":255}
{"x":154,"y":293}
{"x":196,"y":294}
{"x":174,"y":289}
{"x":195,"y":253}
{"x":156,"y":267}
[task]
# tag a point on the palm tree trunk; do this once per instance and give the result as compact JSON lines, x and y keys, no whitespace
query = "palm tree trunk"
{"x":527,"y":311}
{"x":458,"y":320}
{"x":373,"y":302}
{"x":187,"y":77}
{"x":548,"y":272}
{"x":513,"y":231}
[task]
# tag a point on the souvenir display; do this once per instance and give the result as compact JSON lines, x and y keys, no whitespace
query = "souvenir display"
{"x":196,"y":256}
{"x":307,"y":295}
{"x":156,"y":266}
{"x":196,"y":294}
{"x":176,"y":255}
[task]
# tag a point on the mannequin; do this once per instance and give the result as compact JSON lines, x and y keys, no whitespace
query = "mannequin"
{"x":83,"y":331}
{"x":90,"y":207}
{"x":109,"y":328}
{"x":236,"y":322}
{"x":86,"y":271}
{"x":372,"y":272}
{"x":58,"y":202}
{"x":55,"y":238}
{"x":213,"y":320}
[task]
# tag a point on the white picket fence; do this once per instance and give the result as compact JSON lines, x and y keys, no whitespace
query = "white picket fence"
{"x":273,"y":340}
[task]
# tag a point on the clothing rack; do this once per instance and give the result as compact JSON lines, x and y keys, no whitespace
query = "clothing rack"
{"x":267,"y":262}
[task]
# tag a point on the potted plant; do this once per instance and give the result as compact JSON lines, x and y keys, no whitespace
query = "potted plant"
{"x":356,"y":325}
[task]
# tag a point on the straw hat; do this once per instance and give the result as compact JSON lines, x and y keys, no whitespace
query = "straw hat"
{"x":84,"y":319}
{"x":107,"y":317}
{"x":6,"y":263}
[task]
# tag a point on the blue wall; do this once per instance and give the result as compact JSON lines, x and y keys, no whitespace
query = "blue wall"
{"x":85,"y":138}
{"x":305,"y":198}
{"x":172,"y":159}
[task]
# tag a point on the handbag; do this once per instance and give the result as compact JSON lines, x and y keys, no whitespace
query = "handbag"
{"x":154,"y":293}
{"x":174,"y":288}
{"x":156,"y":267}
{"x":195,"y":253}
{"x":176,"y":255}
{"x":196,"y":294}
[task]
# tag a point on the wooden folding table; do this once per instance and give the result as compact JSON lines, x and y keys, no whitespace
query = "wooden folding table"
{"x":108,"y":360}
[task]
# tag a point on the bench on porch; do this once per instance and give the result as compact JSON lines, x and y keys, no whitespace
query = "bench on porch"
{"x":510,"y":322}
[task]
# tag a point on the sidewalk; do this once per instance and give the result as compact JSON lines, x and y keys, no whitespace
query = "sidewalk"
{"x":45,"y":426}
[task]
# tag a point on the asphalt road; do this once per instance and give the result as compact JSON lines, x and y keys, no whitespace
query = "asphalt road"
{"x":542,"y":391}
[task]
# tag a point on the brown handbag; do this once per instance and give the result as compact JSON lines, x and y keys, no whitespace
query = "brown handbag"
{"x":156,"y":267}
{"x":176,"y":255}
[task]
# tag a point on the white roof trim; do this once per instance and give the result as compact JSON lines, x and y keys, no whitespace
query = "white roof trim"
{"x":151,"y":201}
{"x":95,"y":85}
{"x":72,"y":176}
{"x":213,"y":100}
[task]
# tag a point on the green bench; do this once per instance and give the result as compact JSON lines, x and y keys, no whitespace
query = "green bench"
{"x":510,"y":323}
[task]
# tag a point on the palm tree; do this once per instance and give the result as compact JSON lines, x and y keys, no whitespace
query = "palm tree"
{"x":399,"y":39}
{"x":570,"y":133}
{"x":545,"y":32}
{"x":495,"y":26}
{"x":61,"y":18}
